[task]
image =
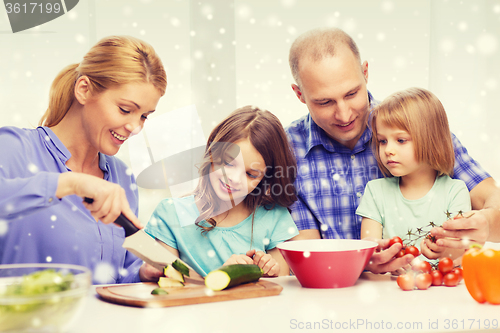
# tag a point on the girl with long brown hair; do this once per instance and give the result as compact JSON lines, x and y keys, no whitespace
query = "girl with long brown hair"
{"x":94,"y":107}
{"x":238,"y":212}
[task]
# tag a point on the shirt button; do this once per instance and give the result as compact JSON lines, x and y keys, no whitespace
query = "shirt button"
{"x":353,"y":157}
{"x":50,"y":199}
{"x":359,"y":194}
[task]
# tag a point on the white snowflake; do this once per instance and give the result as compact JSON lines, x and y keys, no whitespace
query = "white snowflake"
{"x":487,"y":44}
{"x":288,"y":3}
{"x":127,"y":10}
{"x":4,"y":227}
{"x":447,"y":45}
{"x":103,"y":273}
{"x":462,"y":26}
{"x":36,"y":322}
{"x":175,"y":21}
{"x":123,"y":272}
{"x":400,"y":62}
{"x":32,"y":168}
{"x":198,"y":54}
{"x":491,"y":84}
{"x":80,"y":39}
{"x":470,"y":49}
{"x":387,"y":6}
{"x":73,"y":15}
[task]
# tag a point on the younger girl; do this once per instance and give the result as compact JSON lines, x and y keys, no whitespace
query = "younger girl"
{"x":238,"y":212}
{"x":412,"y":142}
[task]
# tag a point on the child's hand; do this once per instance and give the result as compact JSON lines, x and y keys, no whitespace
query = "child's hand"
{"x":240,"y":259}
{"x":431,"y":250}
{"x":265,"y":261}
{"x":383,"y":259}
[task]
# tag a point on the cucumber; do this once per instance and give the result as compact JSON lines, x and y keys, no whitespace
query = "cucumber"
{"x":159,"y":291}
{"x":232,"y":275}
{"x":165,"y":282}
{"x":172,"y":273}
{"x":179,"y":265}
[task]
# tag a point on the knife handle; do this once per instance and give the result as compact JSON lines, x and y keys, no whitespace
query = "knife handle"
{"x":121,"y":220}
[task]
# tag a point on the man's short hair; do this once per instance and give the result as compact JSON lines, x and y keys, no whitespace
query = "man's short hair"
{"x":318,"y":43}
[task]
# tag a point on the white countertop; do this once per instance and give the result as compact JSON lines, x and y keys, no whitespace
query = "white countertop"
{"x":374,"y":303}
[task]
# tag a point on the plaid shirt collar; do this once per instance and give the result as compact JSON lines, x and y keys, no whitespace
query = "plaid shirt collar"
{"x":317,"y":136}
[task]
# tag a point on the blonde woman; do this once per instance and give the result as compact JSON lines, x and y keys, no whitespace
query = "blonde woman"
{"x":413,"y":146}
{"x":94,"y":107}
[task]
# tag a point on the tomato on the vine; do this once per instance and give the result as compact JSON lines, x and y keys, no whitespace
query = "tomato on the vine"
{"x":423,"y":281}
{"x":394,"y":240}
{"x":412,"y":250}
{"x":458,"y":271}
{"x":445,"y":265}
{"x":406,"y":282}
{"x":422,"y":266}
{"x":451,"y":279}
{"x":437,"y":278}
{"x":400,"y":254}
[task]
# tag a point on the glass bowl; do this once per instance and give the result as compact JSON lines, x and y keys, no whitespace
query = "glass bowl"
{"x":41,"y":297}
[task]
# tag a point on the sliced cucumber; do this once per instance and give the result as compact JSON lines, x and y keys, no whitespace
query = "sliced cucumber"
{"x":172,"y":273}
{"x":232,"y":275}
{"x":159,"y":291}
{"x":179,"y":265}
{"x":166,"y":282}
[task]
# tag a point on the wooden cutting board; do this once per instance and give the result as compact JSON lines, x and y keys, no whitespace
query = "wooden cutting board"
{"x":195,"y":292}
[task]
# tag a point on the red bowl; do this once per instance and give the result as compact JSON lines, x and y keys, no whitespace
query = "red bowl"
{"x":327,"y":263}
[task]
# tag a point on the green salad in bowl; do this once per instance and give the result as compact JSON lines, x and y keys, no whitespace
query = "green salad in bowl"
{"x":41,"y":297}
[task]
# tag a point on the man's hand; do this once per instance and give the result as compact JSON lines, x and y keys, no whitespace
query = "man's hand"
{"x":383,"y":259}
{"x":462,"y":231}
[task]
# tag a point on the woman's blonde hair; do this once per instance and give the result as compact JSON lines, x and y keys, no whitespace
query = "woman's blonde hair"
{"x":113,"y":61}
{"x":420,"y":113}
{"x":265,"y":132}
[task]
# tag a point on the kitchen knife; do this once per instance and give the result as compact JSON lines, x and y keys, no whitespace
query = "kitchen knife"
{"x":146,"y":247}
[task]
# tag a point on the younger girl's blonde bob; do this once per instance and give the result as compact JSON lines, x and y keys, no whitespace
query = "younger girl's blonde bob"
{"x":420,"y":113}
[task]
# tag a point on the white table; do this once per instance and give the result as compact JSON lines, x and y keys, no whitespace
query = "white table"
{"x":374,"y":303}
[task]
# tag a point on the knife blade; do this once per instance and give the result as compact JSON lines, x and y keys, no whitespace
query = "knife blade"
{"x":145,"y":247}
